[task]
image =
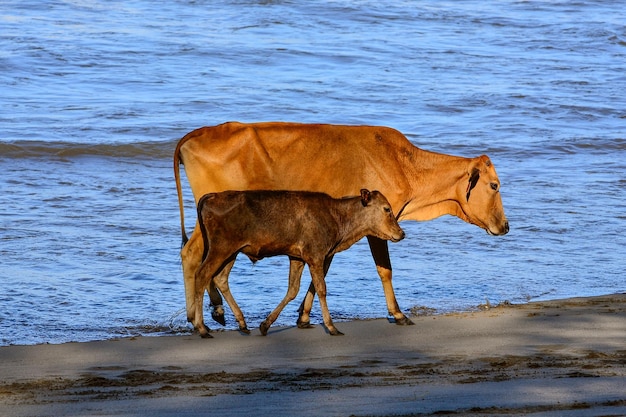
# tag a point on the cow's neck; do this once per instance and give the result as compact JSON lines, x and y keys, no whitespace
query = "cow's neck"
{"x":435,"y":182}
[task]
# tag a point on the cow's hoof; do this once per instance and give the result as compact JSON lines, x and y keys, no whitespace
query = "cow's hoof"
{"x":219,"y":317}
{"x":335,"y":332}
{"x":304,"y":325}
{"x":404,"y":321}
{"x":244,"y":330}
{"x":264,"y":327}
{"x":205,"y":335}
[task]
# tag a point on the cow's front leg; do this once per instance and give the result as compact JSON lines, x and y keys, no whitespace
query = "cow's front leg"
{"x":380,"y":252}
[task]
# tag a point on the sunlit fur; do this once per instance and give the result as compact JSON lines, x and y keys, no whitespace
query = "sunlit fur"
{"x":338,"y":160}
{"x":308,"y":227}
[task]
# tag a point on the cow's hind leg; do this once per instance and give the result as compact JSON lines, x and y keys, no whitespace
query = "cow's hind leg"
{"x":221,"y":281}
{"x":380,"y":252}
{"x":296,"y":267}
{"x":191,"y":258}
{"x":203,"y":275}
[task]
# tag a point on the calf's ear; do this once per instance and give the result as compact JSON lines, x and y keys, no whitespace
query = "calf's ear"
{"x":366,"y":197}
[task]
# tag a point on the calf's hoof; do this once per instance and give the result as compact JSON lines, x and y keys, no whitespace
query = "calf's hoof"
{"x":244,"y":330}
{"x":304,"y":324}
{"x":203,"y":331}
{"x":205,"y":334}
{"x":264,"y":327}
{"x":335,"y":332}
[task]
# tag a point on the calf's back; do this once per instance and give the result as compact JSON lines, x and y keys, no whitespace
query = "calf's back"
{"x":297,"y":223}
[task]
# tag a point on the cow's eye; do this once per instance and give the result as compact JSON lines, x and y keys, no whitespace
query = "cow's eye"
{"x":387,"y":210}
{"x":494,"y":186}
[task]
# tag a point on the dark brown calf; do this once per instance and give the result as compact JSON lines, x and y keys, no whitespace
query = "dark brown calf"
{"x":306,"y":226}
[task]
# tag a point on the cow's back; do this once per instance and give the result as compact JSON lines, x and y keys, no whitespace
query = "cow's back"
{"x":337,"y":160}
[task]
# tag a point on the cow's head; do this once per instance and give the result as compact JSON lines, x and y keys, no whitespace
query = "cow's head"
{"x":480,"y":201}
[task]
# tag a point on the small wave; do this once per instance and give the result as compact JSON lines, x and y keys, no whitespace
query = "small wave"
{"x":41,"y":149}
{"x":587,"y":145}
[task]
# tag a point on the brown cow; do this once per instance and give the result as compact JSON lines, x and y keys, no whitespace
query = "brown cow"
{"x":337,"y":160}
{"x":308,"y":227}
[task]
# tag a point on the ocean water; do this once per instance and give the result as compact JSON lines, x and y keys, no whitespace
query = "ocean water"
{"x":95,"y":95}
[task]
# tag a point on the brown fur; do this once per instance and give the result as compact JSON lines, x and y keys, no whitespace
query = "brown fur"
{"x":338,"y":160}
{"x":308,"y":227}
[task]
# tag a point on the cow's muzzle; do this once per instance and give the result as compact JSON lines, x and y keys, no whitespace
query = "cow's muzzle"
{"x":500,"y":232}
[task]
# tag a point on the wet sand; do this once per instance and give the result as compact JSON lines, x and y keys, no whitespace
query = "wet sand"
{"x":562,"y":357}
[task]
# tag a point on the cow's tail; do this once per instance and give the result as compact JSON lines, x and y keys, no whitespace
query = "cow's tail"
{"x":203,"y":232}
{"x":179,"y":189}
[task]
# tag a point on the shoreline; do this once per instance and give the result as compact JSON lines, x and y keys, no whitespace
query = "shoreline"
{"x":540,"y":358}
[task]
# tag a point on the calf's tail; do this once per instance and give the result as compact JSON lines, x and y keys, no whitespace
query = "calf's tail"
{"x":203,"y":232}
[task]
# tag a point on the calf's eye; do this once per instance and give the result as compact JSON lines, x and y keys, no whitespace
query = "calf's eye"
{"x":494,"y":186}
{"x":387,"y":210}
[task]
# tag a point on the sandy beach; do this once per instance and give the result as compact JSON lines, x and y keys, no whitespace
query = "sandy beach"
{"x":562,"y":357}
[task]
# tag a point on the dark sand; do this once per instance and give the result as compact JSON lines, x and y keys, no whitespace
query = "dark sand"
{"x":556,"y":358}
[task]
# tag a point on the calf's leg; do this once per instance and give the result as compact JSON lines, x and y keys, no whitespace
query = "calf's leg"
{"x":191,"y":257}
{"x":295,"y":273}
{"x":216,"y":264}
{"x":304,"y":318}
{"x":203,"y":275}
{"x":304,"y":311}
{"x":221,"y":281}
{"x":317,"y":276}
{"x":217,"y":310}
{"x":380,"y":253}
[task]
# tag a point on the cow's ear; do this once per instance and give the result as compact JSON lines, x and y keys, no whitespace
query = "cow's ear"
{"x":366,"y":197}
{"x":475,"y":174}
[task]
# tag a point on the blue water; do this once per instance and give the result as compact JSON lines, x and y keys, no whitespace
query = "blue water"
{"x":95,"y":95}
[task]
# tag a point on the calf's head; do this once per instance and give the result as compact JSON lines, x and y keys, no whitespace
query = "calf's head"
{"x":480,"y":201}
{"x":379,"y":216}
